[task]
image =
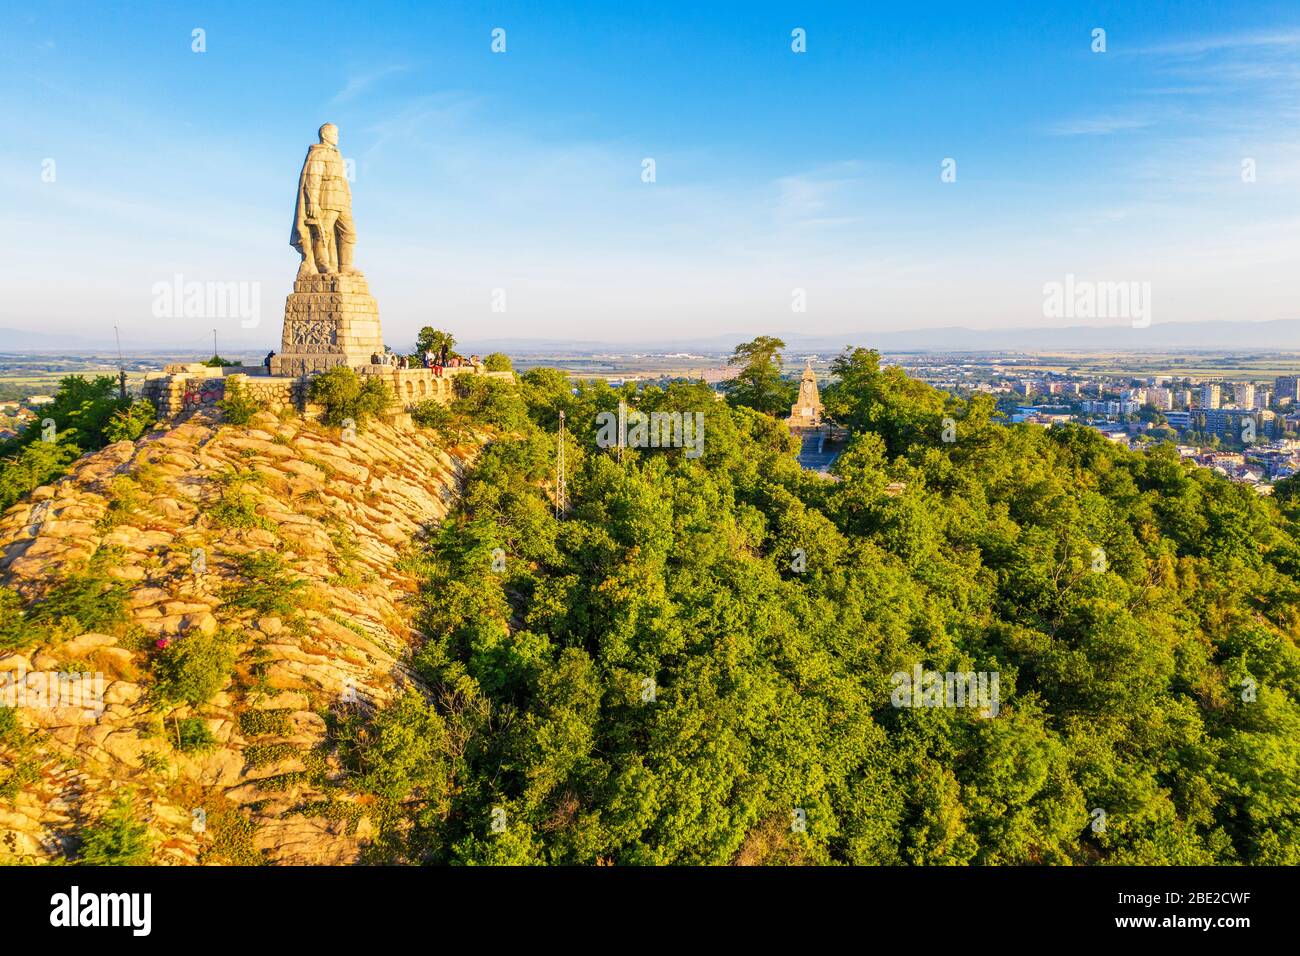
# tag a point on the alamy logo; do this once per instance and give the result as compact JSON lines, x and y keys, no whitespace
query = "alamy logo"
{"x":1074,"y":299}
{"x":51,"y":690}
{"x":73,"y":909}
{"x":179,"y":299}
{"x":636,"y":429}
{"x":977,"y":689}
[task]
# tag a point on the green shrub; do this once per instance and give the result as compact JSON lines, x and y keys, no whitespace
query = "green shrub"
{"x":237,"y":510}
{"x":238,"y":406}
{"x":135,"y":638}
{"x":497,"y":362}
{"x":118,"y":838}
{"x":15,"y":629}
{"x":81,"y":411}
{"x":401,"y":749}
{"x":449,"y":425}
{"x":346,"y":397}
{"x":37,"y":464}
{"x":87,"y":599}
{"x":431,"y":414}
{"x":193,"y":668}
{"x":154,"y":762}
{"x":235,"y":477}
{"x":268,"y":587}
{"x":491,"y":400}
{"x":194,"y":735}
{"x":128,"y":424}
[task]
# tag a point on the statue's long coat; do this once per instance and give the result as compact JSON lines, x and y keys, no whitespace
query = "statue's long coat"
{"x":330,"y":167}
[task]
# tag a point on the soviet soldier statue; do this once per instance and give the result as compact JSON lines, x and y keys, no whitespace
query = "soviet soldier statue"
{"x":322,"y":223}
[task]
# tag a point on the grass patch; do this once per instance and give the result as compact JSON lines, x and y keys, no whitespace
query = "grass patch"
{"x":351,"y":625}
{"x":262,"y":755}
{"x":261,"y":723}
{"x":123,"y":498}
{"x":230,"y":837}
{"x":337,"y":810}
{"x":154,"y":762}
{"x":19,"y":767}
{"x":16,"y":629}
{"x":238,"y":511}
{"x":268,"y":588}
{"x":283,"y":782}
{"x":86,"y":598}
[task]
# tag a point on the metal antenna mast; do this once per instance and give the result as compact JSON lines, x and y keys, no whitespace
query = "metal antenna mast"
{"x":561,"y":485}
{"x":622,"y":428}
{"x":121,"y":365}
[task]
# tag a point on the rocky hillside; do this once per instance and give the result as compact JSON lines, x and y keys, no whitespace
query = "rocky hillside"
{"x":280,"y":544}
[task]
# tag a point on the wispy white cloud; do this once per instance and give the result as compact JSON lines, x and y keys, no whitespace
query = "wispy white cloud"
{"x":1197,"y":46}
{"x":1099,"y":125}
{"x":359,"y":83}
{"x":817,"y":197}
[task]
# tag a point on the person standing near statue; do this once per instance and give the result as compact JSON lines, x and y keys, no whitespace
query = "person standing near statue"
{"x":322,"y":226}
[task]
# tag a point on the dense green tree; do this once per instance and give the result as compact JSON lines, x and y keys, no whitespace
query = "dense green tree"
{"x":85,"y":415}
{"x":759,"y":384}
{"x":433,"y":340}
{"x":694,"y":664}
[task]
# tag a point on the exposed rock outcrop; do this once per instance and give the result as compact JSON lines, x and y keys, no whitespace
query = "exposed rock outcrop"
{"x":179,"y":511}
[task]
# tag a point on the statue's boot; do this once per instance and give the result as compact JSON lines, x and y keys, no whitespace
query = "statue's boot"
{"x":322,"y":255}
{"x":307,"y":268}
{"x":345,"y":259}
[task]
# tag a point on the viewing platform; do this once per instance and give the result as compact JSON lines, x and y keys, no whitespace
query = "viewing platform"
{"x":187,"y":387}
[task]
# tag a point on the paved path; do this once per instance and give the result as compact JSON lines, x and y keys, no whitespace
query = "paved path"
{"x":816,"y":454}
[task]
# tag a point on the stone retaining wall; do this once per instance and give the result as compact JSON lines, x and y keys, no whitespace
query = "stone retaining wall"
{"x":181,"y":389}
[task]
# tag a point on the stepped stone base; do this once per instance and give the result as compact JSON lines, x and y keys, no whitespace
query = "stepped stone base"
{"x":329,"y":320}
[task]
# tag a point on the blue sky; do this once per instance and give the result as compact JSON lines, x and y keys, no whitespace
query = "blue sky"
{"x":775,"y":171}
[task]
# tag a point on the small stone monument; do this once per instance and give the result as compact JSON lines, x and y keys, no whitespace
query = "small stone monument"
{"x":806,"y":412}
{"x":330,"y":318}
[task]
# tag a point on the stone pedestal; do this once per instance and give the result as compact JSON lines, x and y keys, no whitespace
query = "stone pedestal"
{"x":329,"y":320}
{"x":807,"y":410}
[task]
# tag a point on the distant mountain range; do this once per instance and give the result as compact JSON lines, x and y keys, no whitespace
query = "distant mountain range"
{"x":1283,"y":334}
{"x":1279,"y":335}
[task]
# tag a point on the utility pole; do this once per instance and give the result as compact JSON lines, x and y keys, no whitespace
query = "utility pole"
{"x":561,"y":485}
{"x":121,"y":366}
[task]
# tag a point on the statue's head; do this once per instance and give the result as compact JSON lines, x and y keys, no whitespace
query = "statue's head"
{"x":329,"y":133}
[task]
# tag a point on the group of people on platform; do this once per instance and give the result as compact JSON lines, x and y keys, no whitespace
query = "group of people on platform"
{"x":390,"y":359}
{"x":432,"y":360}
